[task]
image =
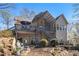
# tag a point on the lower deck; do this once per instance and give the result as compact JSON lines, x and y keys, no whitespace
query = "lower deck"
{"x":28,"y":37}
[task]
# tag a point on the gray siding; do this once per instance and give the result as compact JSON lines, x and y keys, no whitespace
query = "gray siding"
{"x":61,"y":33}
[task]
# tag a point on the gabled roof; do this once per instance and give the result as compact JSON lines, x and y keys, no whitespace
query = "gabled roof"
{"x":40,"y":15}
{"x":52,"y":20}
{"x":63,"y":17}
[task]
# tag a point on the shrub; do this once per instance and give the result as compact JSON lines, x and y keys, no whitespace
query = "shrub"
{"x":61,"y":43}
{"x":54,"y":43}
{"x":76,"y":47}
{"x":6,"y":33}
{"x":74,"y":54}
{"x":17,"y":49}
{"x":43,"y":43}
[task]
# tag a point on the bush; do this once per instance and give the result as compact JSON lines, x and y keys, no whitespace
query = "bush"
{"x":76,"y":47}
{"x":54,"y":43}
{"x":6,"y":33}
{"x":61,"y":43}
{"x":17,"y":49}
{"x":44,"y":43}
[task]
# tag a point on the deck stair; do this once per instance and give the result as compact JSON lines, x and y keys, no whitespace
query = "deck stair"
{"x":49,"y":34}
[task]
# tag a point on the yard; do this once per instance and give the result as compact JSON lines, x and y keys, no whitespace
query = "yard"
{"x":7,"y":50}
{"x":51,"y":51}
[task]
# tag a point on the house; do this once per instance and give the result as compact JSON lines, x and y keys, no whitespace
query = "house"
{"x":43,"y":26}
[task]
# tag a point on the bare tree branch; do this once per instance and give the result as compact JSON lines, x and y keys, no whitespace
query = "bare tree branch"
{"x":27,"y":14}
{"x":7,"y":5}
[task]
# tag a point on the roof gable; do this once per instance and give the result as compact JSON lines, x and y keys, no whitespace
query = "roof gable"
{"x":45,"y":15}
{"x":63,"y":18}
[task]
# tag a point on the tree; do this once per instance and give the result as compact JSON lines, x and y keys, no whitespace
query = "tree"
{"x":74,"y":31}
{"x":6,"y":5}
{"x":74,"y":34}
{"x":6,"y":15}
{"x":27,"y":14}
{"x":76,"y":10}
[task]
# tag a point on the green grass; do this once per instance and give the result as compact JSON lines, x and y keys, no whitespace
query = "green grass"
{"x":17,"y":49}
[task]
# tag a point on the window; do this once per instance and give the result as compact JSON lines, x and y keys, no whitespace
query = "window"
{"x":63,"y":28}
{"x":57,"y":27}
{"x":53,"y":26}
{"x":60,"y":28}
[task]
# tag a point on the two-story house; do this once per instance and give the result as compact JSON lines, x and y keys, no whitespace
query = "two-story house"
{"x":43,"y":26}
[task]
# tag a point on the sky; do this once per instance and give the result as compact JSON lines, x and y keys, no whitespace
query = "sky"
{"x":55,"y":9}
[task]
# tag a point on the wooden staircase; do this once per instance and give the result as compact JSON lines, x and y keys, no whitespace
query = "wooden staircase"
{"x":49,"y":34}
